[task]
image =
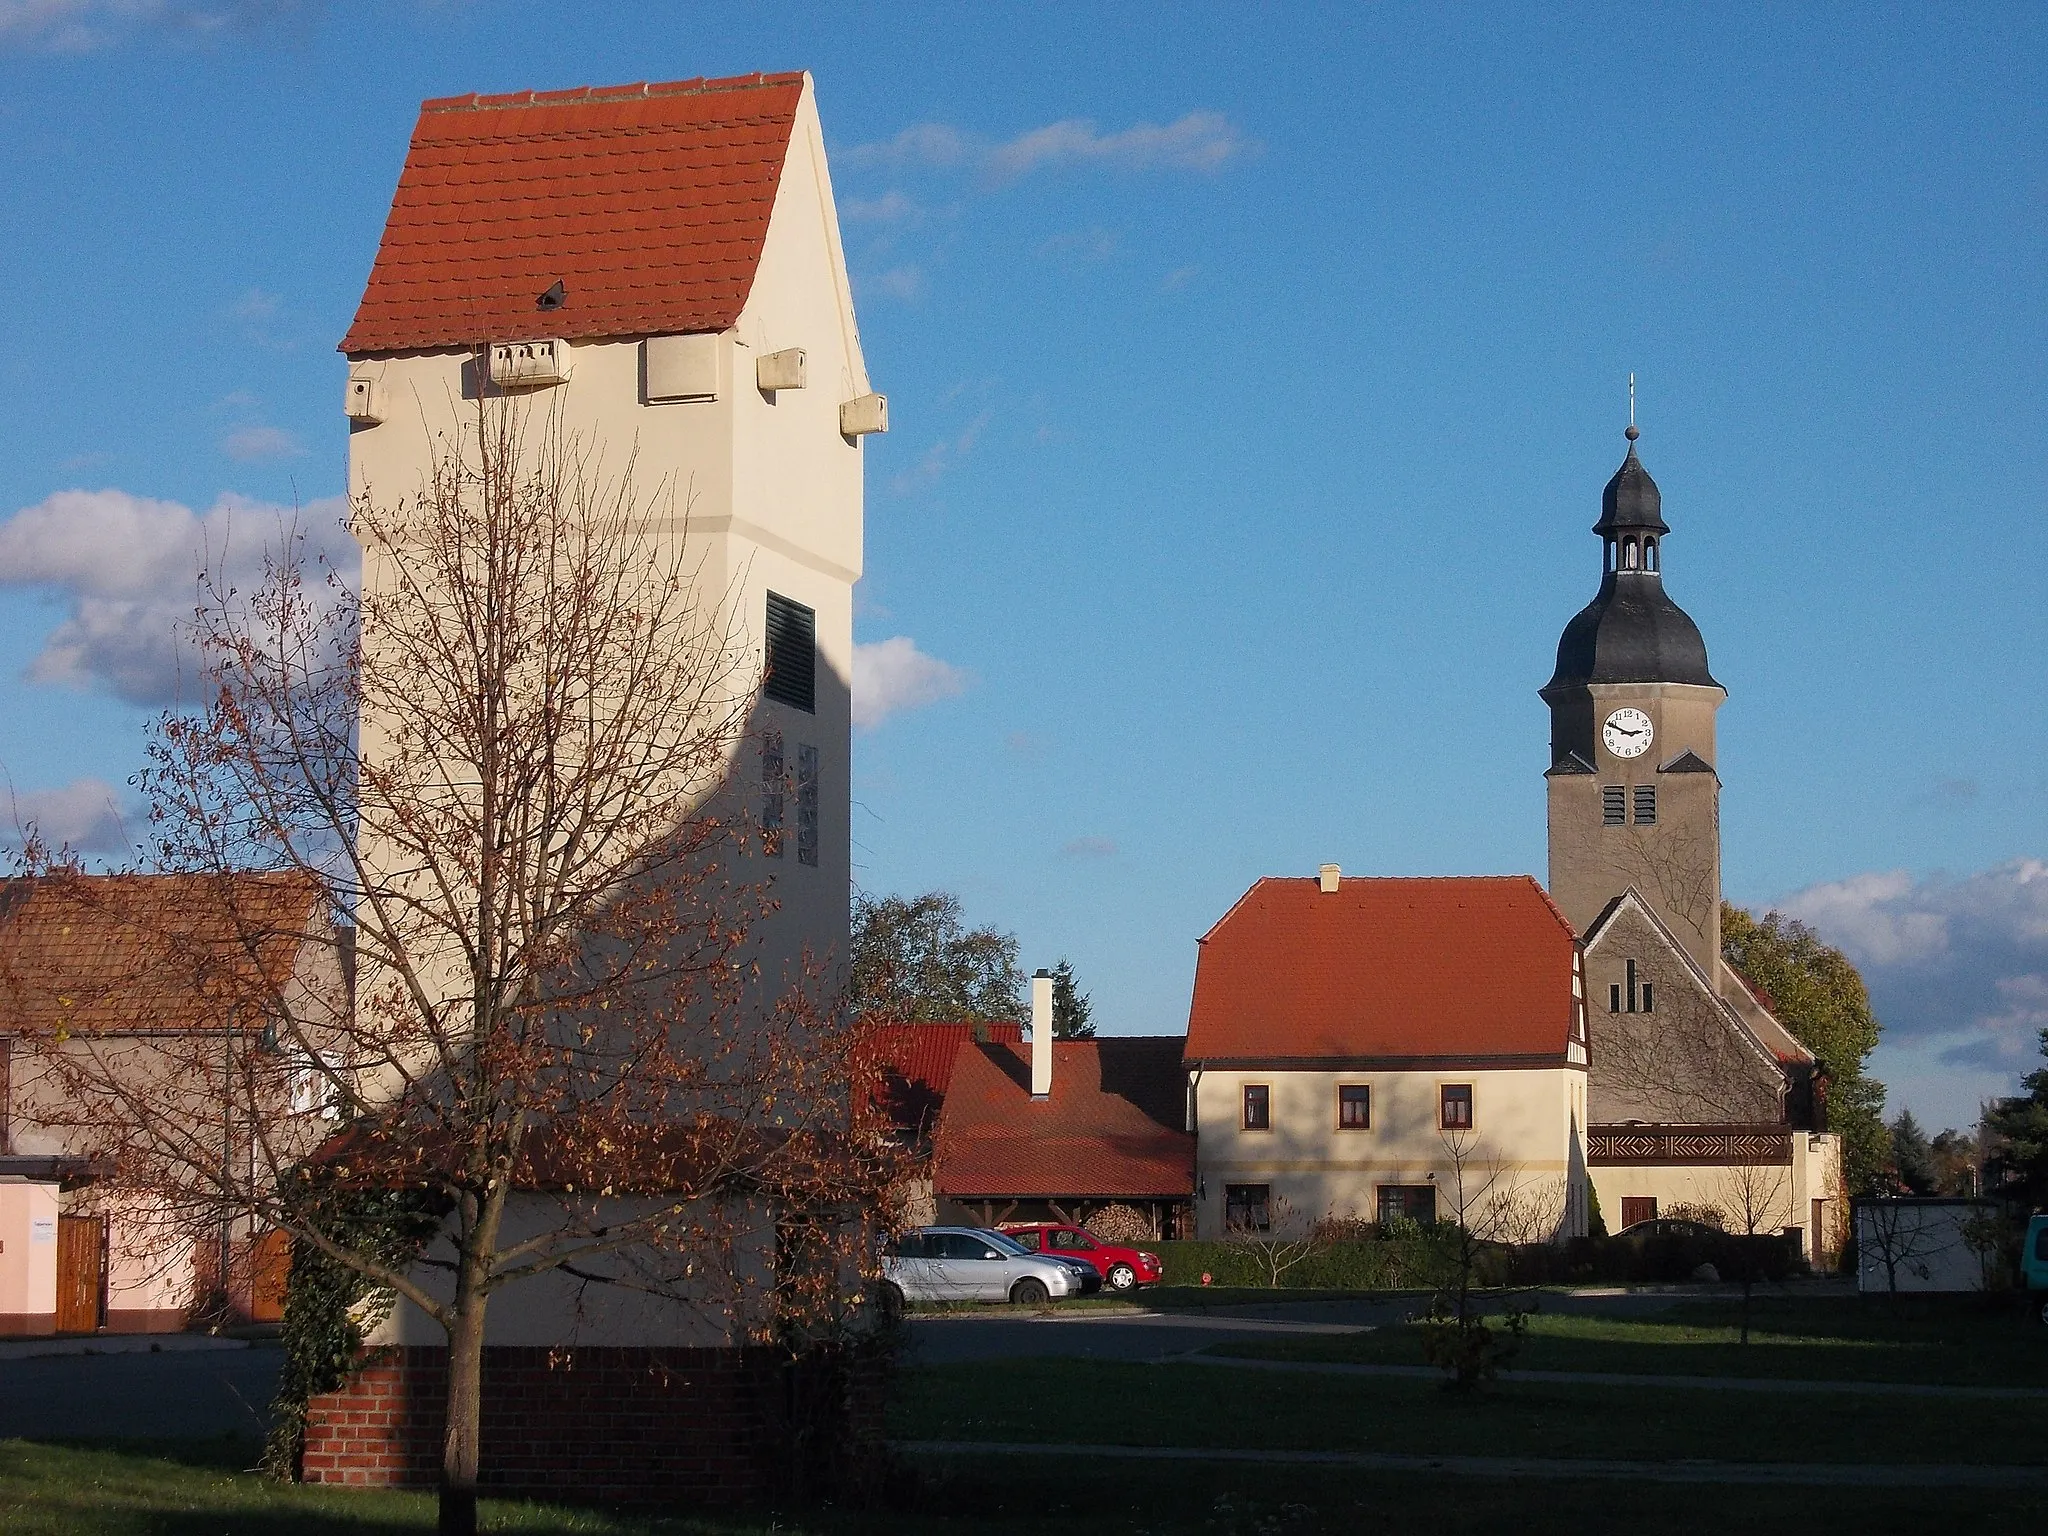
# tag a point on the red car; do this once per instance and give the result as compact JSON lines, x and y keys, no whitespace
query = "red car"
{"x":1123,"y":1269}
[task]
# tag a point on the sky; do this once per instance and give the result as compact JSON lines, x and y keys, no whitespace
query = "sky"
{"x":1253,"y":376}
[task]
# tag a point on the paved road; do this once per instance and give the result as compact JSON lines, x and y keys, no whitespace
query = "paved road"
{"x":184,"y":1394}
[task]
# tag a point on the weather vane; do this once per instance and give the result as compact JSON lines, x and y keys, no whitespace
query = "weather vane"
{"x":1631,"y":434}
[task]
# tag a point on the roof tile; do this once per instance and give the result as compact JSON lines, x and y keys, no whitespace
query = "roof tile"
{"x":649,"y":203}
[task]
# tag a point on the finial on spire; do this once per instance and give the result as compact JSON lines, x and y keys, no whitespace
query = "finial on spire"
{"x":1631,"y":434}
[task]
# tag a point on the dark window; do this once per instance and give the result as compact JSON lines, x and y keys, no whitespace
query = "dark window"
{"x":792,"y":654}
{"x":1635,"y":1208}
{"x":1407,"y":1202}
{"x":1646,"y":805}
{"x":911,"y":1245}
{"x":2041,"y":1244}
{"x":1456,"y":1101}
{"x":807,"y":806}
{"x":1649,"y":998}
{"x":1613,"y":805}
{"x":771,"y":793}
{"x":1029,"y":1240}
{"x":1247,"y":1207}
{"x":1258,"y":1107}
{"x":1072,"y":1242}
{"x":1354,"y":1107}
{"x":1614,"y":997}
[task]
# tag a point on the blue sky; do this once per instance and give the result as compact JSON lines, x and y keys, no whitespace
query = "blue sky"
{"x":1253,"y":376}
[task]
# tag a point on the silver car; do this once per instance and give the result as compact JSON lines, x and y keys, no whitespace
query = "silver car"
{"x":968,"y":1264}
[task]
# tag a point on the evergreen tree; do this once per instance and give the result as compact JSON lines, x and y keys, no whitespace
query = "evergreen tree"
{"x":1070,"y":1006}
{"x":2017,"y":1128}
{"x":1817,"y":994}
{"x":1913,"y":1155}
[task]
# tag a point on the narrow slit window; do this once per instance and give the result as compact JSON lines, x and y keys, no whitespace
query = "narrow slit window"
{"x":1613,"y":805}
{"x":1646,"y":805}
{"x":807,"y":806}
{"x":792,"y":659}
{"x":771,"y":794}
{"x":1649,"y":997}
{"x":1614,"y":997}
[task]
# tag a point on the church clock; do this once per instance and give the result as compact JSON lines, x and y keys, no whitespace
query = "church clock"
{"x":1628,"y":733}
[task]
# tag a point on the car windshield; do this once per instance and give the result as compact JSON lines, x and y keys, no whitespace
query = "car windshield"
{"x":1005,"y":1242}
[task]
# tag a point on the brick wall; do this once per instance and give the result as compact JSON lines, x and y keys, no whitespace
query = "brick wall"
{"x":614,"y":1425}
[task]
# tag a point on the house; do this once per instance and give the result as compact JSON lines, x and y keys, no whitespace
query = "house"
{"x":907,"y":1069}
{"x":1064,"y":1130}
{"x":1388,"y":1048}
{"x":163,"y":989}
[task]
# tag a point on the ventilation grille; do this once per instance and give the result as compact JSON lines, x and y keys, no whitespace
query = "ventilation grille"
{"x":1613,"y":805}
{"x":792,"y":654}
{"x":1646,"y":805}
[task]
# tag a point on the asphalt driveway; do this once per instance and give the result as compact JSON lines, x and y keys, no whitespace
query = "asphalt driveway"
{"x":172,"y":1395}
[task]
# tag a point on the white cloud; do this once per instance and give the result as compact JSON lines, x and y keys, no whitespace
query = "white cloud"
{"x":1198,"y":141}
{"x":940,"y":457}
{"x":898,"y":282}
{"x":84,"y":26}
{"x":1960,"y":966}
{"x":128,"y":569}
{"x":890,"y":676}
{"x":890,"y":208}
{"x":1089,"y":848}
{"x":84,"y":816}
{"x":250,"y":445}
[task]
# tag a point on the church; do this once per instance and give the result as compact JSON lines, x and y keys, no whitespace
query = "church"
{"x":1488,"y":1050}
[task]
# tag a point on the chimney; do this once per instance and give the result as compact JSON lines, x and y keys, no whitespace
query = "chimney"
{"x":1329,"y":877}
{"x":1041,"y":1035}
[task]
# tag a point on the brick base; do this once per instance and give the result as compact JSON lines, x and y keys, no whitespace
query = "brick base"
{"x":612,"y":1425}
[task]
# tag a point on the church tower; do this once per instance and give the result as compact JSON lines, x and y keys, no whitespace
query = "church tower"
{"x":1634,"y":799}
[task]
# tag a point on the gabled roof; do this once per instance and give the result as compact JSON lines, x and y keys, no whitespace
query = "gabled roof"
{"x":1111,"y":1127}
{"x":1464,"y":967}
{"x":106,"y":953}
{"x":905,"y":1069}
{"x":648,"y":203}
{"x":1745,"y":1011}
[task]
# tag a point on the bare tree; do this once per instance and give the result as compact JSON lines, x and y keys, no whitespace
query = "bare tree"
{"x":1276,"y":1239}
{"x":1484,"y":1204}
{"x":503,"y":761}
{"x":1897,"y":1234}
{"x":1755,"y":1200}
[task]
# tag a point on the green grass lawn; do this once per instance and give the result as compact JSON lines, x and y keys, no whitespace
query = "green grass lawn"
{"x":197,"y":1491}
{"x":1791,"y":1338}
{"x":1072,"y":1402}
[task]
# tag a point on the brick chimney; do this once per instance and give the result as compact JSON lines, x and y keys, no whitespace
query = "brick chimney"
{"x":1041,"y":1035}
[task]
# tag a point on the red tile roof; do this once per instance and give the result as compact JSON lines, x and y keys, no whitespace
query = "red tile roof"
{"x":90,"y":953}
{"x":1111,"y":1127}
{"x":907,"y":1068}
{"x":648,"y":203}
{"x":1463,"y":967}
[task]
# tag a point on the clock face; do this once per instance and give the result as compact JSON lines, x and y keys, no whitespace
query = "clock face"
{"x":1627,"y":733}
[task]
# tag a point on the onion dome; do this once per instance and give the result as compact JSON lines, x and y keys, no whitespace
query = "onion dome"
{"x":1631,"y":632}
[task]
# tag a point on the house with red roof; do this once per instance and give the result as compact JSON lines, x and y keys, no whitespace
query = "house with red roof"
{"x":1381,"y":1049}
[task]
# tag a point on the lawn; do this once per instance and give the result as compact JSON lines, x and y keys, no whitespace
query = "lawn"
{"x":1079,"y":1402}
{"x":1934,"y":1340}
{"x":196,"y":1491}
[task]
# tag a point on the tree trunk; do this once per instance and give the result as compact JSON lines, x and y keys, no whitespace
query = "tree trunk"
{"x":461,"y":1441}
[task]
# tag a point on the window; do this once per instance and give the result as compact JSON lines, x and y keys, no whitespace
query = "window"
{"x":1642,"y":996}
{"x":1649,"y":998}
{"x":1628,"y":554}
{"x":1247,"y":1207}
{"x":1649,"y":554}
{"x":771,"y":794}
{"x":1354,"y":1107}
{"x":1614,"y":997}
{"x":1613,"y":805}
{"x":1258,"y":1107}
{"x":1455,"y":1100}
{"x":1635,"y":1208}
{"x":1646,"y":805}
{"x":2041,"y":1244}
{"x":792,"y":659}
{"x":807,"y":806}
{"x":1029,"y":1240}
{"x":1407,"y":1202}
{"x":1073,"y":1242}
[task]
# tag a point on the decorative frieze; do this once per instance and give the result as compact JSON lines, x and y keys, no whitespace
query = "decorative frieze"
{"x":1664,"y":1146}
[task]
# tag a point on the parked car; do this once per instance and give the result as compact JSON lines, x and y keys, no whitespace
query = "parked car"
{"x":1670,"y":1248}
{"x":967,"y":1264}
{"x":1121,"y":1268}
{"x":1087,"y":1274}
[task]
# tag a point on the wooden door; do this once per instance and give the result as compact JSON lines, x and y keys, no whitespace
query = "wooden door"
{"x":81,"y":1273}
{"x":1635,"y":1208}
{"x":270,"y":1268}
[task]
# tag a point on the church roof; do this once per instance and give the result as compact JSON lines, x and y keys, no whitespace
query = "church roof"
{"x":1465,"y":967}
{"x":1632,"y":632}
{"x":648,"y":204}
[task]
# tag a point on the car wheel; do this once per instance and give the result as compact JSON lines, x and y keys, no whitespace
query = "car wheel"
{"x":1122,"y":1277}
{"x":1029,"y":1293}
{"x":890,"y":1298}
